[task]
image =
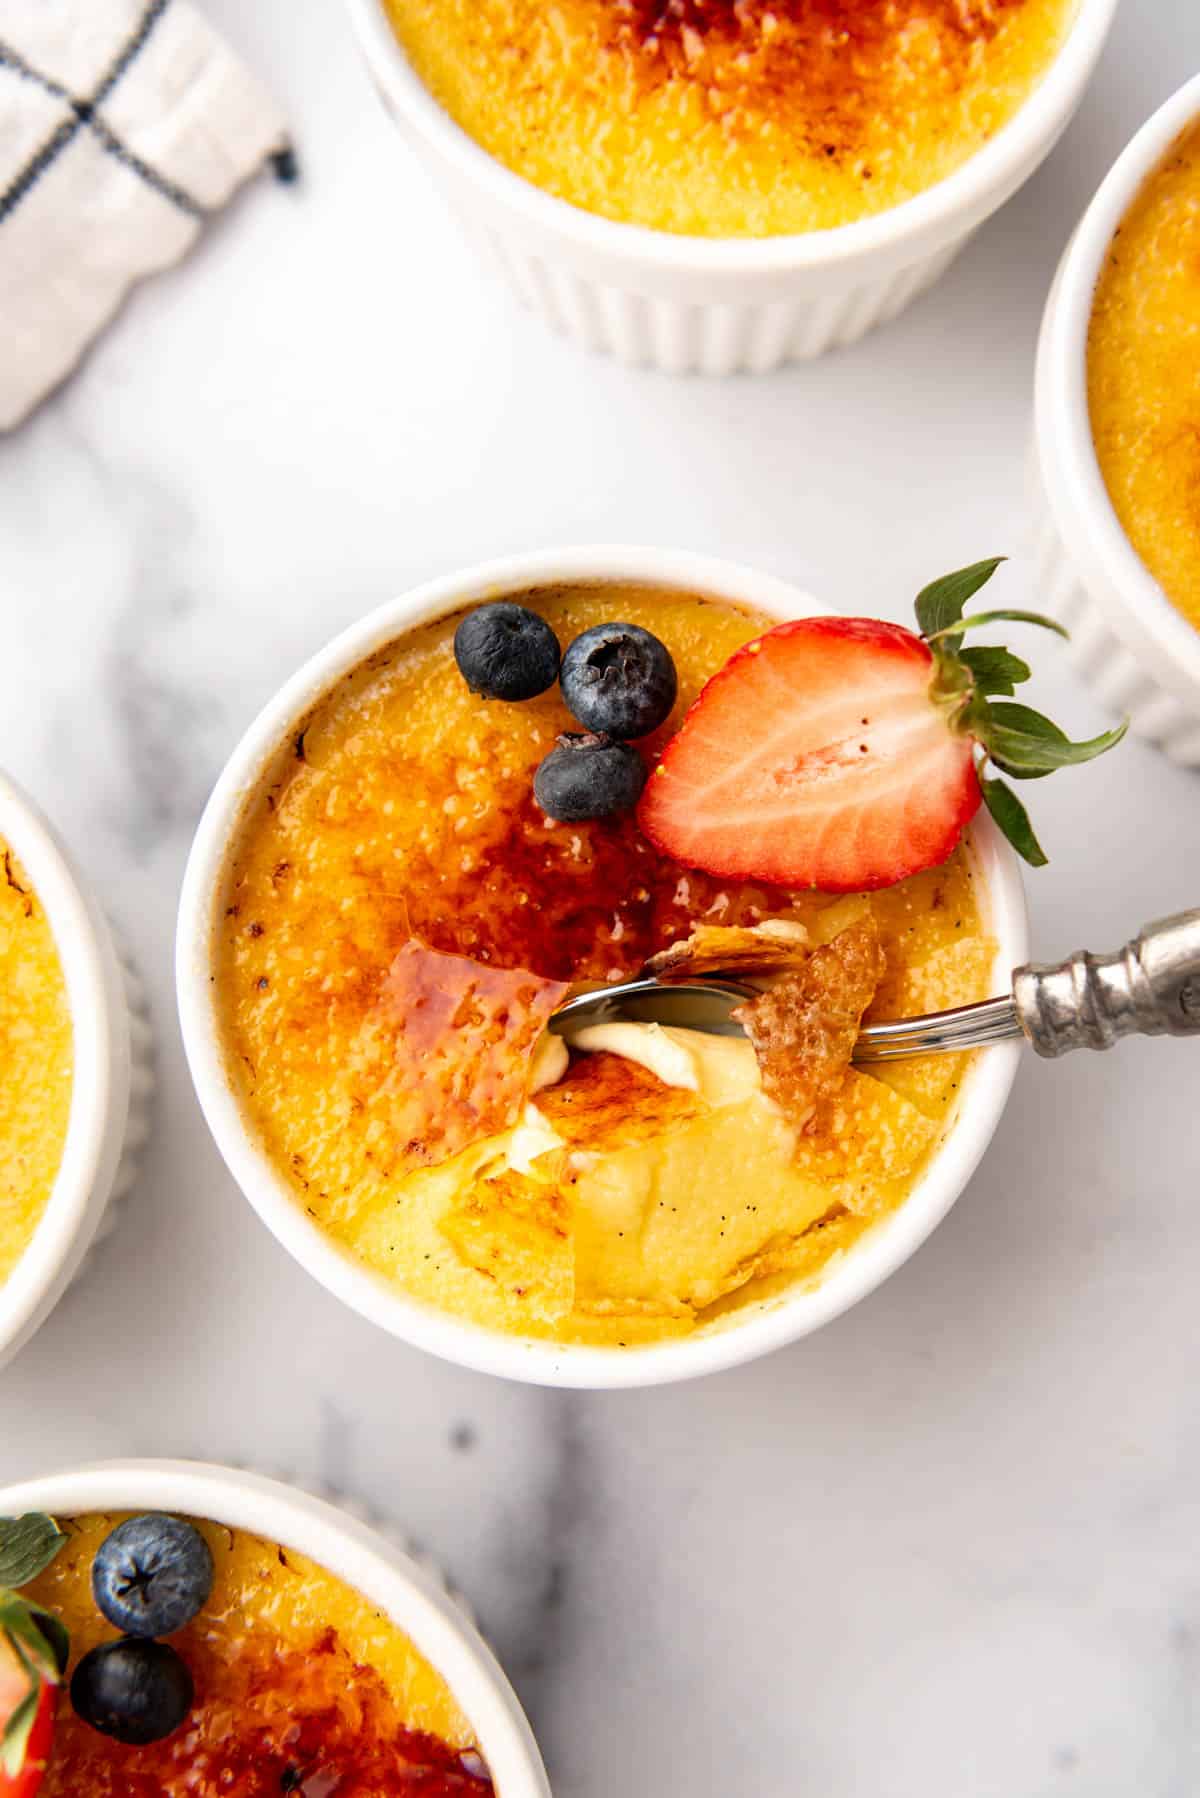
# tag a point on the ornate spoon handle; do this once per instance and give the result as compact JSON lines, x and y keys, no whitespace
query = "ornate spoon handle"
{"x":1151,"y":987}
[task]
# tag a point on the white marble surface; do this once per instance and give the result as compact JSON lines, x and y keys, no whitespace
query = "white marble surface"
{"x":949,"y":1546}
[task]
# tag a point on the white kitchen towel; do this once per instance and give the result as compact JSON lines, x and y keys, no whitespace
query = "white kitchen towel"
{"x":124,"y":124}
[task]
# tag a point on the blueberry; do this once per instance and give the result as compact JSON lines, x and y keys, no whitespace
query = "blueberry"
{"x":136,"y":1690}
{"x":505,"y":651}
{"x":619,"y":679}
{"x":589,"y":776}
{"x":152,"y":1574}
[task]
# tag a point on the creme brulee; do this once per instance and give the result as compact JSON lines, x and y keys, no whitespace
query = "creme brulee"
{"x":1144,"y":374}
{"x":35,"y":1061}
{"x":300,"y":1682}
{"x":732,"y":118}
{"x":394,"y":849}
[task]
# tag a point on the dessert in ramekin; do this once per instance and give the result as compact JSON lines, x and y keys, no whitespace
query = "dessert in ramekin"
{"x":731,"y":120}
{"x":726,"y":187}
{"x":1117,"y":464}
{"x":74,"y":1070}
{"x":201,"y":1630}
{"x":373,"y":868}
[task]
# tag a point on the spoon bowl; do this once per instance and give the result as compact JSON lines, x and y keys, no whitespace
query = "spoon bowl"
{"x":686,"y":1004}
{"x":708,"y":1005}
{"x":1151,"y":987}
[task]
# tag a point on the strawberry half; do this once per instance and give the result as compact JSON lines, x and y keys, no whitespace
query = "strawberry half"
{"x":847,"y":753}
{"x":33,"y":1655}
{"x":17,"y":1690}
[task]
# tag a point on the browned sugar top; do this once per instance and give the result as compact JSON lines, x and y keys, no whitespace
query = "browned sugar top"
{"x":853,"y":65}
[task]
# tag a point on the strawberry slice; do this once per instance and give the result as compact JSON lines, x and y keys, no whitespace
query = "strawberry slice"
{"x":814,"y":758}
{"x":17,"y":1688}
{"x":33,"y":1654}
{"x":847,"y":753}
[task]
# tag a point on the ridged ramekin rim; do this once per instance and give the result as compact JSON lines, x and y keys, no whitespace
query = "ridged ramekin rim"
{"x":931,"y":219}
{"x":1113,"y":573}
{"x":353,"y":1549}
{"x":796,"y":1313}
{"x":101,"y":1060}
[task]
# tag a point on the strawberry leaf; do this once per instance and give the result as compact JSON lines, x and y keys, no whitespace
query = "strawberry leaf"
{"x":995,"y":670}
{"x":31,"y":1638}
{"x":940,"y":604}
{"x":39,"y":1645}
{"x":1002,"y":615}
{"x":15,"y":1739}
{"x":1013,"y":820}
{"x":33,"y":1647}
{"x":1024,"y":743}
{"x":1022,"y":717}
{"x":973,"y":690}
{"x":55,"y":1632}
{"x":27,"y":1546}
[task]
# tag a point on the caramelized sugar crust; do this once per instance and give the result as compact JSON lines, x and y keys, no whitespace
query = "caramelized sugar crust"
{"x":849,"y":59}
{"x":805,"y":1026}
{"x":406,"y":811}
{"x":775,"y":943}
{"x":732,"y":117}
{"x":268,"y":1722}
{"x":36,"y":1054}
{"x":449,"y":1045}
{"x":403,"y":811}
{"x":285,"y":1701}
{"x":611,"y":1103}
{"x":1144,"y":374}
{"x":593,"y":902}
{"x":404,"y":816}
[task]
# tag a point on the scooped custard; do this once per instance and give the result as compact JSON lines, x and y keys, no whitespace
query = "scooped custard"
{"x":301,"y":1685}
{"x":1144,"y":374}
{"x":399,"y":921}
{"x":35,"y":1061}
{"x":732,"y":118}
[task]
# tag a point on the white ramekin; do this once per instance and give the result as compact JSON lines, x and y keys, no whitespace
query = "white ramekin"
{"x":112,"y":1077}
{"x":1140,"y":655}
{"x":756,"y":1329}
{"x":720,"y":305}
{"x":411,"y":1594}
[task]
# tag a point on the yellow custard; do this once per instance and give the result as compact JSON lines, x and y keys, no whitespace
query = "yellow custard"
{"x":732,"y":118}
{"x":620,"y":1208}
{"x":35,"y":1061}
{"x":1144,"y":374}
{"x":292,"y":1668}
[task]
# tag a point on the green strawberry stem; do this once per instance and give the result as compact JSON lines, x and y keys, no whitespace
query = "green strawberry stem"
{"x":1000,"y":616}
{"x":36,"y":1639}
{"x":974,"y":688}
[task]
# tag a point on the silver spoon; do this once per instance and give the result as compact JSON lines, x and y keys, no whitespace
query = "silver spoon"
{"x":1149,"y":988}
